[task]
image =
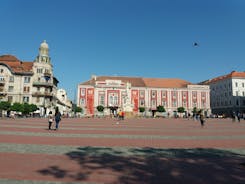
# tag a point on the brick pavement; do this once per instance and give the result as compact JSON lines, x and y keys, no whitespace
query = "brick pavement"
{"x":145,"y":151}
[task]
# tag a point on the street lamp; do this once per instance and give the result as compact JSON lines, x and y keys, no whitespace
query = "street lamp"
{"x":46,"y":76}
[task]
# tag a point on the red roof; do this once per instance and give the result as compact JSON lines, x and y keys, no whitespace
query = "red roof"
{"x":233,"y":74}
{"x":15,"y":65}
{"x":165,"y":83}
{"x":143,"y":82}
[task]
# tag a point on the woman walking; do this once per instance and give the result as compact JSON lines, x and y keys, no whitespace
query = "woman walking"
{"x":57,"y":118}
{"x":50,"y":120}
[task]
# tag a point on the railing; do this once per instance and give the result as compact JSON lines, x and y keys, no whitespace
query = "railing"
{"x":43,"y":94}
{"x":42,"y":84}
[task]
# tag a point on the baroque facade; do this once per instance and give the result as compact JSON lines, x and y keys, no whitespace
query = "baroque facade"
{"x":227,"y":93}
{"x":30,"y":82}
{"x":114,"y":92}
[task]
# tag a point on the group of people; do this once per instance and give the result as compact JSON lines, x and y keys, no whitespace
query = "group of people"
{"x":121,"y":115}
{"x":56,"y":117}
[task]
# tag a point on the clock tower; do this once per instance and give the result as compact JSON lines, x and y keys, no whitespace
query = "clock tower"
{"x":43,"y":56}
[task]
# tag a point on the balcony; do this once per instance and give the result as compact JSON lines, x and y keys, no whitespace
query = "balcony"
{"x":2,"y":82}
{"x":3,"y":92}
{"x":39,"y":83}
{"x":42,"y":94}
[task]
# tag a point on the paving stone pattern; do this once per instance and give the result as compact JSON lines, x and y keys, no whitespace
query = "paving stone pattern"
{"x":102,"y":151}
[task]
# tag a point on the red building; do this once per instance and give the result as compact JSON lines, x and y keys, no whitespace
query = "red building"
{"x":114,"y":92}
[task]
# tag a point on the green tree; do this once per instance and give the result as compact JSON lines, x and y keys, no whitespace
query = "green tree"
{"x":4,"y":105}
{"x":26,"y":109}
{"x":100,"y":108}
{"x":33,"y":107}
{"x":17,"y":107}
{"x":194,"y":110}
{"x":160,"y":108}
{"x":181,"y":110}
{"x":142,"y":109}
{"x":78,"y":109}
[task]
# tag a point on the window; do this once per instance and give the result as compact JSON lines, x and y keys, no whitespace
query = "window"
{"x":142,"y":102}
{"x":113,"y":99}
{"x":184,"y":95}
{"x":236,"y":84}
{"x":164,"y":94}
{"x":153,"y":104}
{"x":142,"y":93}
{"x":82,"y":101}
{"x":1,"y":70}
{"x":194,"y":94}
{"x":11,"y":79}
{"x":1,"y":78}
{"x":102,"y":100}
{"x":26,"y":89}
{"x":153,"y":94}
{"x":39,"y":70}
{"x":27,"y":79}
{"x":184,"y":103}
{"x":38,"y":99}
{"x":174,"y":94}
{"x":243,"y":84}
{"x":164,"y":103}
{"x":10,"y":99}
{"x":26,"y":99}
{"x":82,"y":92}
{"x":203,"y":104}
{"x":174,"y":103}
{"x":11,"y":89}
{"x":236,"y":93}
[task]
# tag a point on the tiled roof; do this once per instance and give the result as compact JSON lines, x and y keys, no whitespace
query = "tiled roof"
{"x":233,"y":74}
{"x":143,"y":82}
{"x":165,"y":83}
{"x":15,"y":65}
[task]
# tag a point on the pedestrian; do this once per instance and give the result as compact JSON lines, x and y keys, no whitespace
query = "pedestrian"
{"x":120,"y":115}
{"x":238,"y":117}
{"x":123,"y":114}
{"x":50,"y":119}
{"x":57,"y":118}
{"x":202,"y":120}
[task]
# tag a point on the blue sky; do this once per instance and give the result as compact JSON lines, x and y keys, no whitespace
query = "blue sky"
{"x":143,"y":38}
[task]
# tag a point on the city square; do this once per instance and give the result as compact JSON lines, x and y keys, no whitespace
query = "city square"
{"x":134,"y":150}
{"x":122,"y":92}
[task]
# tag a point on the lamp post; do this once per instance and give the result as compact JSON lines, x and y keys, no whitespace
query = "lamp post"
{"x":46,"y":77}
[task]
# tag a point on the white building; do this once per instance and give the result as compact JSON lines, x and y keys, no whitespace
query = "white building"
{"x":30,"y":82}
{"x":114,"y":92}
{"x":63,"y":103}
{"x":227,"y":95}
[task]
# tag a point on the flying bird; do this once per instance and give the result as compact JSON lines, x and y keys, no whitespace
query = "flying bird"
{"x":195,"y":44}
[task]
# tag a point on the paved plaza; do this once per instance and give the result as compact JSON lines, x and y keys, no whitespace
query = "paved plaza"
{"x":135,"y":151}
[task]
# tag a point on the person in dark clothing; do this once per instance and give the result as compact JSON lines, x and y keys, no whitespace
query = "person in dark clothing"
{"x":201,"y":117}
{"x":57,"y":118}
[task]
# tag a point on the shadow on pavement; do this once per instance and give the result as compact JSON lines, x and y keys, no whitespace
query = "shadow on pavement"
{"x":153,"y":166}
